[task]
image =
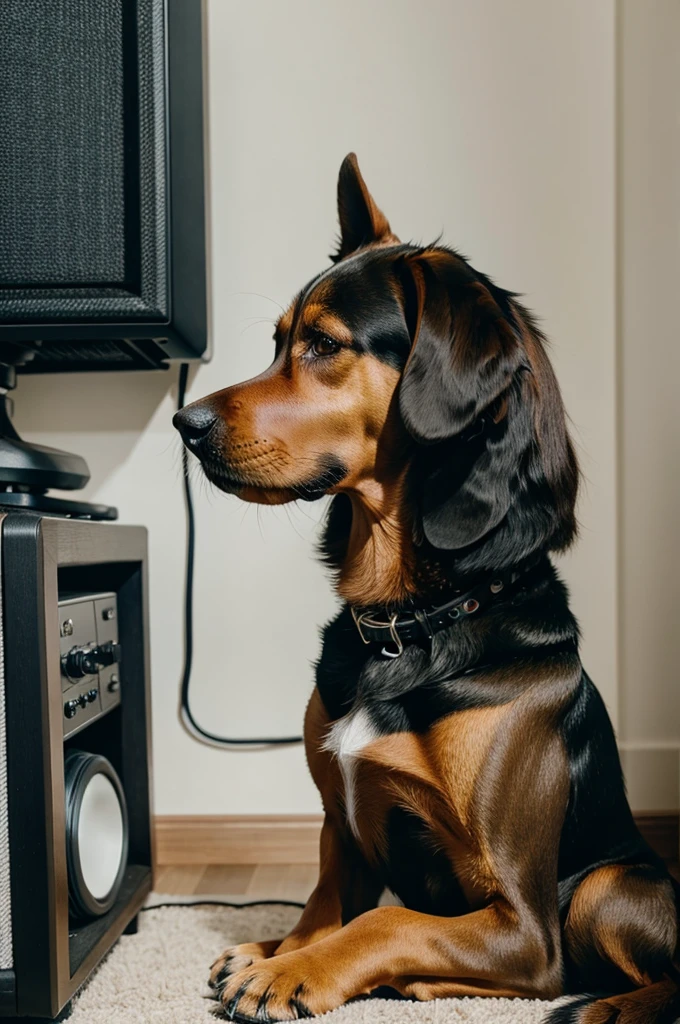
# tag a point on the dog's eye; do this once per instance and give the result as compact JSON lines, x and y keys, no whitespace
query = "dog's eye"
{"x":324,"y":346}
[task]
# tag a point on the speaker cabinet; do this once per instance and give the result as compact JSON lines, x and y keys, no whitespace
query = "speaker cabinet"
{"x":102,"y":218}
{"x":75,"y":786}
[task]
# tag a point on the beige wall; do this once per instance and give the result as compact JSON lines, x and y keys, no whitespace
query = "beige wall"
{"x":493,"y":122}
{"x":649,"y":278}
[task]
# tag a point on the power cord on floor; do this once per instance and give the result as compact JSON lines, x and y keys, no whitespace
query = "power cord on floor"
{"x":186,"y":716}
{"x":226,"y":903}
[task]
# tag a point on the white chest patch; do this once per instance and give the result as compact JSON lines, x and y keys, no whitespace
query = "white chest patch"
{"x":346,"y":739}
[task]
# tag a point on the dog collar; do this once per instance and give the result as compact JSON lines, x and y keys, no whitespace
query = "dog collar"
{"x":399,"y":629}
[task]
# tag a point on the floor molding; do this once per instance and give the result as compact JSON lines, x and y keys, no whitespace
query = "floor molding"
{"x":661,"y":829}
{"x":238,"y":839}
{"x":294,"y":838}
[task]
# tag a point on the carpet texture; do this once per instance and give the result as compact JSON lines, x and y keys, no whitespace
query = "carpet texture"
{"x":158,"y":976}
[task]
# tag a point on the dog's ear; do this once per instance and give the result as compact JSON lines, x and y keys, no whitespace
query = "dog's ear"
{"x":467,"y":491}
{"x":465,"y":354}
{"x":361,"y":222}
{"x":464,"y":350}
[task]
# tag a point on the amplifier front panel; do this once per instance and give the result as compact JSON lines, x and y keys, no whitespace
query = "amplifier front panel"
{"x":90,"y":658}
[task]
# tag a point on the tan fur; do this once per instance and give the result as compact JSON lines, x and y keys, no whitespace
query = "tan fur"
{"x":318,"y":317}
{"x":380,"y":562}
{"x":604,"y":914}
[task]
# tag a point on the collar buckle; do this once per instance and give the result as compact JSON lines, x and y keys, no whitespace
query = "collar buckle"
{"x":358,"y":622}
{"x":362,"y":619}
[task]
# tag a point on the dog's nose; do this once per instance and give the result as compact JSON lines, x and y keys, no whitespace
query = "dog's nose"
{"x":194,"y":424}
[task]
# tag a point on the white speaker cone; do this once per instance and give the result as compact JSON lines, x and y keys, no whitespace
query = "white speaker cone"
{"x":96,"y":833}
{"x":100,"y":836}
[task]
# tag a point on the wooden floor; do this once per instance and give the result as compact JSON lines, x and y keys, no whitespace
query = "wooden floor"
{"x":243,"y":881}
{"x":250,"y":881}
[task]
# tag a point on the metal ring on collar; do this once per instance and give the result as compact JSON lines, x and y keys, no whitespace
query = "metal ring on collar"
{"x":396,"y":640}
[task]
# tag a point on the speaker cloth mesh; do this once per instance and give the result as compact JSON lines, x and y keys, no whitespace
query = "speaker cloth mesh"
{"x":83,"y":166}
{"x":62,"y":162}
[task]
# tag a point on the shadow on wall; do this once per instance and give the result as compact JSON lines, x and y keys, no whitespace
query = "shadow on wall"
{"x":71,"y":410}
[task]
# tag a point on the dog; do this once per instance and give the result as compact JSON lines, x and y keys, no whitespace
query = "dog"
{"x":465,"y":760}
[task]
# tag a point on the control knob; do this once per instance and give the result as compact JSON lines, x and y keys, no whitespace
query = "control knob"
{"x":70,"y":708}
{"x":86,"y":661}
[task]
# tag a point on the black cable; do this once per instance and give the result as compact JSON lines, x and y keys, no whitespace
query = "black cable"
{"x":186,"y":716}
{"x":225,"y":903}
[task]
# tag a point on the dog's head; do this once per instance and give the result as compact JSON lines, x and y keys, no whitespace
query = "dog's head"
{"x":401,"y":363}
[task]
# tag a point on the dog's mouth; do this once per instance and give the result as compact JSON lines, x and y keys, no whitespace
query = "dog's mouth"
{"x":245,"y":485}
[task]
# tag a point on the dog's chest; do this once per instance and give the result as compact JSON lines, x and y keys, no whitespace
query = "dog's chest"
{"x":345,"y":741}
{"x":377,"y":768}
{"x":381,"y":775}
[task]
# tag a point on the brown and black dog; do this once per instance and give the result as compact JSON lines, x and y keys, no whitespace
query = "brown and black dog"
{"x":465,"y":760}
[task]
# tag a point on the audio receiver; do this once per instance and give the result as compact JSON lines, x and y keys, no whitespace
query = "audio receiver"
{"x":90,"y":658}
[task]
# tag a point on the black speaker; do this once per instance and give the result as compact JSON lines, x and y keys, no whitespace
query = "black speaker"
{"x":75,"y":778}
{"x":102,"y":218}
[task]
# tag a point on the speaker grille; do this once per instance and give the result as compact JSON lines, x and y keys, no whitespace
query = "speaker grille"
{"x":83,"y":191}
{"x":61,"y":181}
{"x":96,"y":355}
{"x":6,"y":954}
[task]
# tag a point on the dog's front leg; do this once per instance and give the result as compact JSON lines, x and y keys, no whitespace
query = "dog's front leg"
{"x":488,"y":952}
{"x":346,"y":887}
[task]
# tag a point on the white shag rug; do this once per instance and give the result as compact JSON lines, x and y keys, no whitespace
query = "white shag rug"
{"x":158,"y":976}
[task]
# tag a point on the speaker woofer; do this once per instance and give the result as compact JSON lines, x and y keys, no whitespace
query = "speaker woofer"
{"x":96,"y":833}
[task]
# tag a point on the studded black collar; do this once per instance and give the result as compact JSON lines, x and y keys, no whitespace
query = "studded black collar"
{"x":396,"y":630}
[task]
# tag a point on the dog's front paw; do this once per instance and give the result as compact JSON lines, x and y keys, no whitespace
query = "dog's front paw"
{"x":237,"y":958}
{"x":287,"y":987}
